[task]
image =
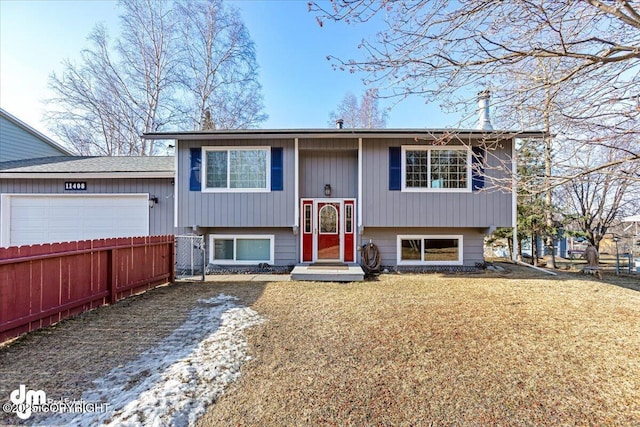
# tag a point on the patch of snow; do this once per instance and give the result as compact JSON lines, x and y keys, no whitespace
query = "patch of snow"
{"x":174,"y":382}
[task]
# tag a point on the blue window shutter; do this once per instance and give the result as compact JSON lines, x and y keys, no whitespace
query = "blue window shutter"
{"x":395,"y":169}
{"x":277,"y":175}
{"x":477,"y":168}
{"x":196,"y":163}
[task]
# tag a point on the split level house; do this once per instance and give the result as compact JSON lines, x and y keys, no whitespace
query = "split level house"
{"x":286,"y":197}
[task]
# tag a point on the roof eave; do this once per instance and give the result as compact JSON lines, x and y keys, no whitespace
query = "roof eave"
{"x":342,"y":133}
{"x":85,"y":175}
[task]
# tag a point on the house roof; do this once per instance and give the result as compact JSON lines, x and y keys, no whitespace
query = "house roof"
{"x":34,"y":132}
{"x":341,"y":133}
{"x":90,"y":167}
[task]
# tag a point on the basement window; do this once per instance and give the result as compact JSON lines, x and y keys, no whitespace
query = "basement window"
{"x":241,"y":249}
{"x":429,"y":250}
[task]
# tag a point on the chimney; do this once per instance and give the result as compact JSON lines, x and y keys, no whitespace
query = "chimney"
{"x":339,"y":124}
{"x":484,"y":122}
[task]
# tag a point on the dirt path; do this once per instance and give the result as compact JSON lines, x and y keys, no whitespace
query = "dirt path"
{"x":63,"y":360}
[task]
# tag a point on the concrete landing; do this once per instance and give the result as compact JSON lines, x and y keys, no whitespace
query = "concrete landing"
{"x":328,"y":273}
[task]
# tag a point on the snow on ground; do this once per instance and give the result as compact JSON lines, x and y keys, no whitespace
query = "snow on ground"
{"x":174,"y":382}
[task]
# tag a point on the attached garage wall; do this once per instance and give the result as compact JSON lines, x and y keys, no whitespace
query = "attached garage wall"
{"x":160,"y":216}
{"x":33,"y":219}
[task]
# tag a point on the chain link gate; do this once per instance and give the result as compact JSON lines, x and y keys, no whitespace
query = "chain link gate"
{"x":190,"y":257}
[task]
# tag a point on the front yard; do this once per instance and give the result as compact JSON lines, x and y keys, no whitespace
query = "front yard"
{"x":441,"y":349}
{"x":519,"y":348}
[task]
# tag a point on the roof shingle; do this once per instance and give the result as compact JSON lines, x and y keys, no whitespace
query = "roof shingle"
{"x":90,"y":164}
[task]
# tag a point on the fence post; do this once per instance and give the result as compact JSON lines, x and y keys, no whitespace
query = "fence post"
{"x":172,"y":259}
{"x":112,"y":275}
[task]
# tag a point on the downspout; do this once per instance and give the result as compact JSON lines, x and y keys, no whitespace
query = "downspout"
{"x":296,"y":190}
{"x":176,"y":194}
{"x":296,"y":196}
{"x":359,"y":201}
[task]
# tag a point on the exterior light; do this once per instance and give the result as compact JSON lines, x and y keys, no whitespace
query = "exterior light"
{"x":327,"y":190}
{"x":153,"y":200}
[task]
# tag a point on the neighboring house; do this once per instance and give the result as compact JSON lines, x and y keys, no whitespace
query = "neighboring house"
{"x":561,"y":247}
{"x":65,"y":198}
{"x":286,"y":197}
{"x":20,"y":141}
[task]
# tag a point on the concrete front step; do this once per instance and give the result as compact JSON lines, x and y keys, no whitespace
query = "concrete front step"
{"x":328,"y":273}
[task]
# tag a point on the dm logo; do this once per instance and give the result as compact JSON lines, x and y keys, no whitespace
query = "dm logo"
{"x":25,"y":400}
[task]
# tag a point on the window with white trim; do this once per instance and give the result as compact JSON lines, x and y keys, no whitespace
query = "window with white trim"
{"x":237,"y":169}
{"x":307,"y":218}
{"x":241,"y":249}
{"x":348,"y":218}
{"x":430,"y":250}
{"x":429,"y":168}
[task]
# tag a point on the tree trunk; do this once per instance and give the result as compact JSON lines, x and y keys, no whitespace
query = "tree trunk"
{"x":547,"y":176}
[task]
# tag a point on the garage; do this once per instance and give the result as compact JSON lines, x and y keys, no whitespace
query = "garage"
{"x":46,"y":218}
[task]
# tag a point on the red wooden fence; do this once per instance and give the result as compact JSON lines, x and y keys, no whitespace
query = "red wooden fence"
{"x":43,"y":284}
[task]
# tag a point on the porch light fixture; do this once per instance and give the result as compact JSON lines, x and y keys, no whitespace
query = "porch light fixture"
{"x":327,"y":190}
{"x":153,"y":200}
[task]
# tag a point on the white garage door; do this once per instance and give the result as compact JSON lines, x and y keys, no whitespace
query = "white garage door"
{"x":31,"y":219}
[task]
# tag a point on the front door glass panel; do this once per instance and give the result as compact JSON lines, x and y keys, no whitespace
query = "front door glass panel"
{"x":328,"y":231}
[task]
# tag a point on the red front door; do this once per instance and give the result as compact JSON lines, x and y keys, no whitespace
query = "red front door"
{"x":328,"y":231}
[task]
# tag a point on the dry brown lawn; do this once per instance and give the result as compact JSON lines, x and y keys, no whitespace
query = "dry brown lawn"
{"x":512,"y":349}
{"x":519,"y":348}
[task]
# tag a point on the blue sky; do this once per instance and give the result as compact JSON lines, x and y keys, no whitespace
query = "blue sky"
{"x":300,"y":87}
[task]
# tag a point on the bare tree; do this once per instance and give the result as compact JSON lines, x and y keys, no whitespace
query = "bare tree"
{"x":170,"y":64}
{"x":87,"y":111}
{"x":596,"y":201}
{"x":363,"y":114}
{"x":347,"y":110}
{"x":436,"y":48}
{"x":147,"y":48}
{"x":220,"y":69}
{"x":118,"y":92}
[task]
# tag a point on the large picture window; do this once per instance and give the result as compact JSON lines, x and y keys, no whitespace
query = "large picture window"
{"x":430,"y":250}
{"x":236,"y":169}
{"x":426,"y":168}
{"x":241,"y":249}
